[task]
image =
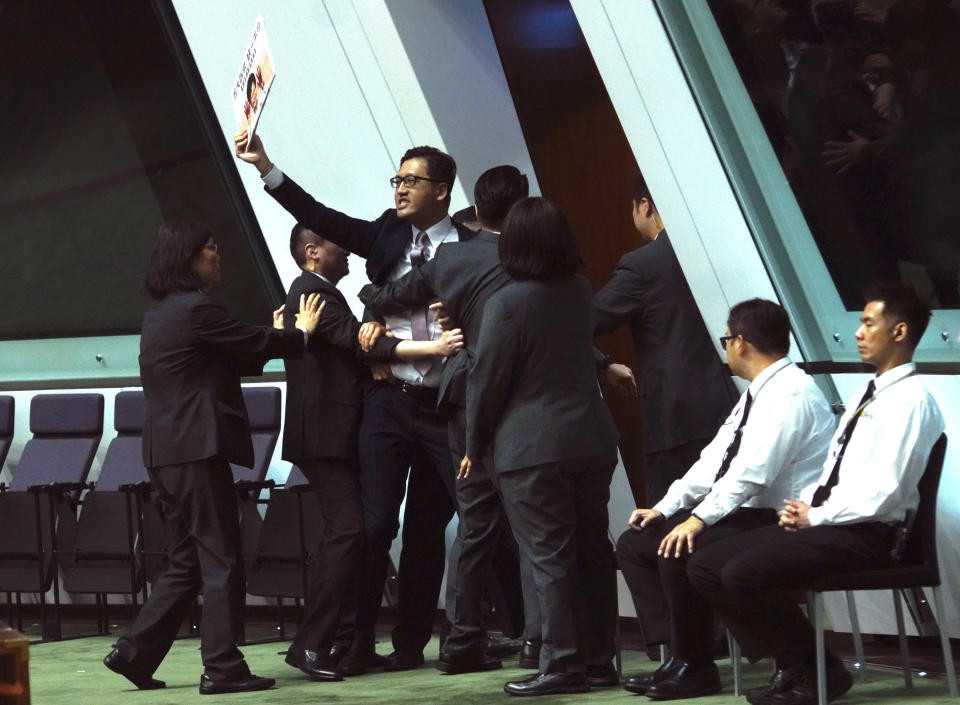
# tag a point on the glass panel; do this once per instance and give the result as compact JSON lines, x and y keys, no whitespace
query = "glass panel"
{"x":818,"y":279}
{"x":861,"y":103}
{"x":101,"y":144}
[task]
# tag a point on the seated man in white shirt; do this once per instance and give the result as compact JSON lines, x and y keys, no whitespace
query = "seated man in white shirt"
{"x":847,"y":520}
{"x":770,"y":447}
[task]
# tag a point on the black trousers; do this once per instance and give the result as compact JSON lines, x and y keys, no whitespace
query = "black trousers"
{"x":558,"y":512}
{"x":334,"y":569}
{"x":485,"y":558}
{"x":747,"y":580}
{"x":403,"y":435}
{"x":199,"y":504}
{"x":669,"y":608}
{"x":665,"y":466}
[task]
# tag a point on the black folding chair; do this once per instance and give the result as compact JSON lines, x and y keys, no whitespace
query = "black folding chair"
{"x":38,"y":509}
{"x":917,"y":568}
{"x":106,"y":557}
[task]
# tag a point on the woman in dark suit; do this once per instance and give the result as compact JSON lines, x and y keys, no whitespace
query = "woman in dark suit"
{"x":532,"y":393}
{"x":192,"y":354}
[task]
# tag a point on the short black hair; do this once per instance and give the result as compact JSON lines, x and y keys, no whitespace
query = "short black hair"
{"x":496,"y":190}
{"x":764,"y":324}
{"x":301,"y":235}
{"x":440,"y":165}
{"x":467,"y":217}
{"x":641,"y":191}
{"x":171,"y":263}
{"x":251,"y":79}
{"x":536,"y":242}
{"x":901,"y":304}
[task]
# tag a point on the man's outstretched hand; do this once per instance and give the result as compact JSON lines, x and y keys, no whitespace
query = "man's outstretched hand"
{"x":252,"y":152}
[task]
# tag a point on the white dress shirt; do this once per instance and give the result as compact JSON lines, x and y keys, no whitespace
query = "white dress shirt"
{"x":886,"y":455}
{"x":401,"y":325}
{"x":781,"y":450}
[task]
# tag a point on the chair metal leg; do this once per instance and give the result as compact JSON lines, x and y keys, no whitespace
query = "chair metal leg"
{"x":734,"y":648}
{"x":821,"y":651}
{"x":945,"y":642}
{"x":861,"y":664}
{"x":902,"y":638}
{"x":664,"y":653}
{"x":618,"y":653}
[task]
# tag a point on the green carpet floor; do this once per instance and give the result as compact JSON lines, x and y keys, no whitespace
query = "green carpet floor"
{"x":70,"y":673}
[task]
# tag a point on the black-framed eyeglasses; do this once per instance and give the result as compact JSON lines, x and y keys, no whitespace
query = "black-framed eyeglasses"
{"x":724,"y":339}
{"x":212,"y":246}
{"x":411,"y":180}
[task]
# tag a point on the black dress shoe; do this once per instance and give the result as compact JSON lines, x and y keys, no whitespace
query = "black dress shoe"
{"x":501,"y":646}
{"x":640,"y":683}
{"x":337,"y":652}
{"x":313,"y":663}
{"x":452,"y":664}
{"x":602,"y":676}
{"x":804,"y":688}
{"x":782,"y":681}
{"x":357,"y":661}
{"x":248,"y":683}
{"x":530,"y":654}
{"x":403,"y":661}
{"x":144,"y":681}
{"x":687,"y":681}
{"x":549,"y":684}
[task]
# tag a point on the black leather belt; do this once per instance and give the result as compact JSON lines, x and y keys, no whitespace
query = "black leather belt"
{"x":420,"y":393}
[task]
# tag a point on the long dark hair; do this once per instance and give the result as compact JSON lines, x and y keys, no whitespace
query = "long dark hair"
{"x":170,"y":270}
{"x":536,"y":242}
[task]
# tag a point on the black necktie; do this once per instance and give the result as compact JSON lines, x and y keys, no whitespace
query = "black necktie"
{"x":735,"y":443}
{"x":823,"y":491}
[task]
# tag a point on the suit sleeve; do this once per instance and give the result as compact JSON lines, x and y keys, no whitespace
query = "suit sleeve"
{"x":213,"y":327}
{"x":353,"y":234}
{"x":413,"y":290}
{"x":338,"y":326}
{"x":491,"y":376}
{"x":620,"y":300}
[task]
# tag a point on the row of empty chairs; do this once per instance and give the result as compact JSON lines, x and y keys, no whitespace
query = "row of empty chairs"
{"x":107,"y":537}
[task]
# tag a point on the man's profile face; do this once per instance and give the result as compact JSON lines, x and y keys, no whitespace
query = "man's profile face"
{"x":336,"y":260}
{"x":414,"y":200}
{"x":733,"y":359}
{"x":877,"y":335}
{"x":642,"y":214}
{"x":254,"y":96}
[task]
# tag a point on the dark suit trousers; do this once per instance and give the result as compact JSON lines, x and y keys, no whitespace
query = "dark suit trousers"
{"x":199,"y":504}
{"x":401,"y":434}
{"x":558,"y":512}
{"x":665,"y":466}
{"x":669,"y":608}
{"x":483,"y":558}
{"x":748,"y":578}
{"x":336,"y":563}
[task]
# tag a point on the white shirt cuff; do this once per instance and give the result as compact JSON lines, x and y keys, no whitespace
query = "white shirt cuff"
{"x":668,"y":509}
{"x":273,"y":178}
{"x":306,"y":336}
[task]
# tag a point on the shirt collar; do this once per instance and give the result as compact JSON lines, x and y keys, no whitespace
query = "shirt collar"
{"x":894,"y":375}
{"x":761,"y":379}
{"x":436,"y":233}
{"x":317,"y":274}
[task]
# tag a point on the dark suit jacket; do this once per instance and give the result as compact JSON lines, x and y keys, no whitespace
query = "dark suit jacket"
{"x":382,"y":242}
{"x":532,"y":389}
{"x":324,"y":388}
{"x":687,"y":391}
{"x":192,"y":354}
{"x":463,"y":276}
